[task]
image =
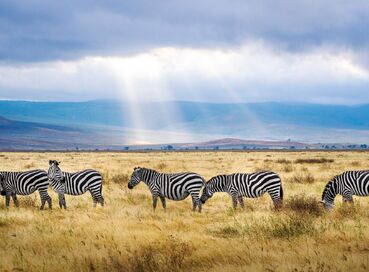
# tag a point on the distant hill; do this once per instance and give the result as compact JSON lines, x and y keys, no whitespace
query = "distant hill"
{"x":239,"y":143}
{"x":15,"y":135}
{"x":105,"y":123}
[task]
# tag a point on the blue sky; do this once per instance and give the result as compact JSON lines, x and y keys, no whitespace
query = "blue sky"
{"x":216,"y":51}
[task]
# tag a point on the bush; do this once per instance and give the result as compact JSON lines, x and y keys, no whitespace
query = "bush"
{"x":315,"y":160}
{"x":167,"y":255}
{"x":304,"y":204}
{"x":302,"y":178}
{"x":294,"y":226}
{"x":288,"y":168}
{"x":283,"y":161}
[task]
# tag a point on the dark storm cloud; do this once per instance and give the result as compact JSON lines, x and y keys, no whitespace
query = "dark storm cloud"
{"x":38,"y":30}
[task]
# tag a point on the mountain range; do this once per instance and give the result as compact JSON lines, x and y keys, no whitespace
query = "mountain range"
{"x":114,"y":124}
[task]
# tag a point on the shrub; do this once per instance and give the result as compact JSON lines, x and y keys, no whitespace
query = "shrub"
{"x":228,"y":231}
{"x":294,"y":226}
{"x":167,"y":255}
{"x":304,"y":204}
{"x":302,"y":178}
{"x":314,"y":160}
{"x":288,"y":168}
{"x":27,"y":201}
{"x":283,"y":161}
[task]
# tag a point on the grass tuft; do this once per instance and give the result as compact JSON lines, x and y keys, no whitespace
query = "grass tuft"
{"x":314,"y":160}
{"x":302,"y":178}
{"x":305,"y":205}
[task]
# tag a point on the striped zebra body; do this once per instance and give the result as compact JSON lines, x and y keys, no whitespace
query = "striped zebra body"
{"x":25,"y":183}
{"x":176,"y":186}
{"x":347,"y":184}
{"x":251,"y":185}
{"x":75,"y":183}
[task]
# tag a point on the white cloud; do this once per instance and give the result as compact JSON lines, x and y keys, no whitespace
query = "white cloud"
{"x":252,"y":72}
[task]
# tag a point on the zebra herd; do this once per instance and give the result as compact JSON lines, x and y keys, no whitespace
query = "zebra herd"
{"x":174,"y":186}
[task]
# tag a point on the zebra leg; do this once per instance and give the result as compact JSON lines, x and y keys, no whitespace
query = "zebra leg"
{"x":62,"y":201}
{"x":49,"y":202}
{"x":7,"y":199}
{"x":234,"y":201}
{"x":44,"y":197}
{"x":154,"y":201}
{"x":15,"y":200}
{"x":101,"y":201}
{"x":278,"y":203}
{"x":163,"y":202}
{"x":240,"y":200}
{"x":194,"y":204}
{"x":199,"y":204}
{"x":96,"y":196}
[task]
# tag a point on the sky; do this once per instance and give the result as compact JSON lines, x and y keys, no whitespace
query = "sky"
{"x":215,"y":51}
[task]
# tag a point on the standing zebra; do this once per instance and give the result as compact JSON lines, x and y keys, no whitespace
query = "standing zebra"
{"x":172,"y":186}
{"x":75,"y":183}
{"x":347,"y":184}
{"x":249,"y":185}
{"x":25,"y":183}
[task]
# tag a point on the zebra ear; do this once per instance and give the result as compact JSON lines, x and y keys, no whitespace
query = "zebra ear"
{"x":50,"y":162}
{"x":136,"y":168}
{"x":57,"y":163}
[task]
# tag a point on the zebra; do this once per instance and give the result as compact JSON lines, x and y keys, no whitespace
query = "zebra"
{"x":347,"y":184}
{"x":75,"y":183}
{"x":249,"y":185}
{"x":25,"y":183}
{"x":175,"y":186}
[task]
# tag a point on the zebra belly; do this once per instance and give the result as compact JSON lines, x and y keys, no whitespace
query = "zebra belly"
{"x":178,"y":198}
{"x":250,"y":195}
{"x":28,"y":192}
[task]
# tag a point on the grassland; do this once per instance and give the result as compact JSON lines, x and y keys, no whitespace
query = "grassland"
{"x":127,"y":235}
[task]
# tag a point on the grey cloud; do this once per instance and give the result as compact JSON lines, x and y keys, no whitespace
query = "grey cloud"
{"x":39,"y":30}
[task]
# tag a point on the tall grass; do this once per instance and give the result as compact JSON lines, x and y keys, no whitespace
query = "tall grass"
{"x":127,"y":235}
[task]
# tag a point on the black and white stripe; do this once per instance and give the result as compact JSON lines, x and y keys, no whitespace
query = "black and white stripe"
{"x":172,"y":186}
{"x":245,"y":185}
{"x":75,"y":183}
{"x":347,"y":184}
{"x":25,"y":183}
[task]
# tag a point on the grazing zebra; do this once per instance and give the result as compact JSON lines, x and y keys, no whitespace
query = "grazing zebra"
{"x":245,"y":185}
{"x":25,"y":183}
{"x":75,"y":183}
{"x":172,"y":186}
{"x":347,"y":184}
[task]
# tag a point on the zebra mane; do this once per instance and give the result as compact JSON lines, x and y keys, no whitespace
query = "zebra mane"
{"x":146,"y":169}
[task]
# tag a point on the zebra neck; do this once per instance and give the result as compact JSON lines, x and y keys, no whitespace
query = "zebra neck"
{"x":218,"y":184}
{"x":148,"y":176}
{"x":330,"y":193}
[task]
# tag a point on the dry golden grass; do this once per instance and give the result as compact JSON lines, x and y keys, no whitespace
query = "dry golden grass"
{"x":126,"y":235}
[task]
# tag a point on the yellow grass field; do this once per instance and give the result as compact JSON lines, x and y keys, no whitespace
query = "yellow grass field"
{"x":127,"y":235}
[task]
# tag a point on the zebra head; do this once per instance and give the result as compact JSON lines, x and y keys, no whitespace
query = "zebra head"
{"x":54,"y":173}
{"x":135,"y":178}
{"x":206,"y":194}
{"x":328,"y":195}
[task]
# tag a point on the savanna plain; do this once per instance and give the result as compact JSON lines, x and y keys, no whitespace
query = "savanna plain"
{"x":127,"y":235}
